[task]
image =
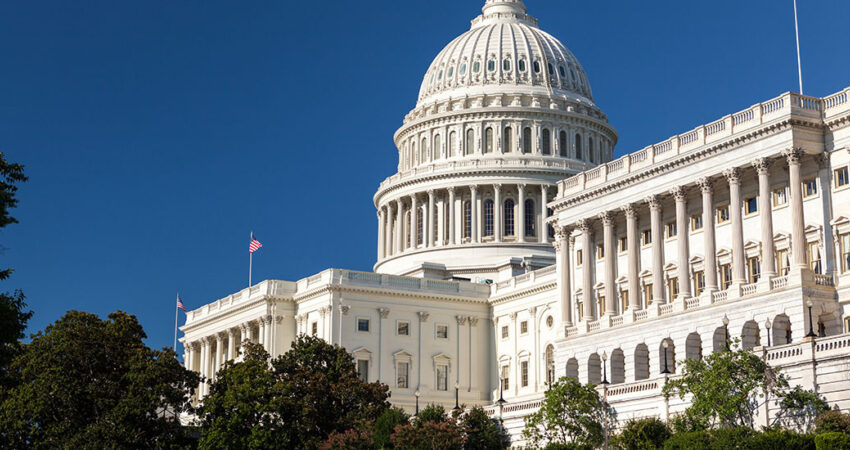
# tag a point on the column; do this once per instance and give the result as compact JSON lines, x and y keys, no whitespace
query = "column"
{"x":587,"y":268}
{"x":634,"y":256}
{"x":610,"y":260}
{"x":399,"y":227}
{"x":657,"y":235}
{"x":739,"y":269}
{"x":231,"y":344}
{"x":414,"y":230}
{"x":710,"y":249}
{"x":765,"y":205}
{"x":261,"y":338}
{"x":429,"y":242}
{"x":380,"y":233}
{"x":682,"y":231}
{"x":798,"y":232}
{"x":219,"y":352}
{"x":269,"y":333}
{"x":520,"y":229}
{"x":473,"y":206}
{"x":498,"y":229}
{"x":452,"y":231}
{"x":189,"y":355}
{"x":202,"y":366}
{"x":544,"y":213}
{"x":562,"y":250}
{"x":388,"y":231}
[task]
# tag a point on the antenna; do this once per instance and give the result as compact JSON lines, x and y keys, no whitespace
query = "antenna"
{"x":799,"y":64}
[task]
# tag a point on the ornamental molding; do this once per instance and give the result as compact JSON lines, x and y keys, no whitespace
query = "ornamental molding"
{"x":423,"y":316}
{"x":384,"y":312}
{"x":523,"y":293}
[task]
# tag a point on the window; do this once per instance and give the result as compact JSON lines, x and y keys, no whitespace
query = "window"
{"x":672,"y":288}
{"x":403,"y":328}
{"x":476,"y":66}
{"x":419,"y":232}
{"x":670,"y":229}
{"x":550,"y":321}
{"x":780,"y":196}
{"x":526,"y":140}
{"x":536,"y":66}
{"x":590,"y":149}
{"x":440,"y":76}
{"x":523,"y":368}
{"x":523,"y":327}
{"x":847,"y":325}
{"x":578,"y":258}
{"x":578,"y":146}
{"x":504,"y":331}
{"x":580,"y":309}
{"x":647,"y":293}
{"x":842,"y":178}
{"x":547,"y":142}
{"x":600,"y":251}
{"x":562,"y":71}
{"x":506,"y":65}
{"x":623,"y":244}
{"x":646,"y":237}
{"x":600,"y":305}
{"x":624,"y":299}
{"x":563,"y":143}
{"x":810,"y":187}
{"x":522,"y":65}
{"x":751,"y":205}
{"x":467,"y":219}
{"x":363,"y":325}
{"x":753,"y":269}
{"x":463,"y":69}
{"x":363,"y":370}
{"x":491,"y":65}
{"x":699,"y":283}
{"x":782,"y":263}
{"x":442,"y":331}
{"x":314,"y":328}
{"x":470,"y":142}
{"x":725,"y":276}
{"x":551,"y":69}
{"x":509,"y":217}
{"x":452,"y":144}
{"x":506,"y":377}
{"x":488,"y":217}
{"x":437,"y":147}
{"x":442,"y":377}
{"x":844,"y":244}
{"x":488,"y":140}
{"x":723,"y":214}
{"x":402,"y":371}
{"x":814,"y":257}
{"x":696,"y":222}
{"x":507,"y":142}
{"x":530,"y":218}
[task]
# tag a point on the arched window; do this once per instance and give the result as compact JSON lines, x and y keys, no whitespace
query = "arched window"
{"x":522,"y":65}
{"x":590,"y":150}
{"x":594,"y":368}
{"x":641,"y":362}
{"x":549,"y":358}
{"x":578,"y":146}
{"x":452,"y":144}
{"x":561,"y":69}
{"x":423,"y":152}
{"x":526,"y":140}
{"x":551,"y":69}
{"x":470,"y":142}
{"x":530,"y":217}
{"x":491,"y":65}
{"x":563,"y":142}
{"x":451,"y":72}
{"x":547,"y":142}
{"x":488,"y":140}
{"x":467,"y":219}
{"x":693,"y":347}
{"x":476,"y":66}
{"x":536,"y":66}
{"x":406,"y":226}
{"x":419,"y":221}
{"x":413,"y":155}
{"x":750,"y":336}
{"x":572,"y":368}
{"x":618,"y":367}
{"x":506,"y":65}
{"x":437,"y":149}
{"x":463,"y":69}
{"x":509,"y":217}
{"x":507,"y":141}
{"x":488,"y":217}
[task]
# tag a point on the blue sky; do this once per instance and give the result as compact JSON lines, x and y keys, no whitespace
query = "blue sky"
{"x":157,"y":134}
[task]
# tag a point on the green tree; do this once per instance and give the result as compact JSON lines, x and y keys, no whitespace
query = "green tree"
{"x":385,"y":425}
{"x":307,"y":393}
{"x":428,"y":435}
{"x":482,"y":432}
{"x":571,"y":412}
{"x":85,"y":382}
{"x":799,"y":409}
{"x":833,"y":422}
{"x":642,"y":434}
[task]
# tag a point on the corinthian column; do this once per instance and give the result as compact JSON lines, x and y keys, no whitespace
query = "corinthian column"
{"x":610,"y":262}
{"x":798,"y":232}
{"x":429,"y":242}
{"x":452,"y":232}
{"x":562,"y":250}
{"x":765,"y":205}
{"x":520,"y":219}
{"x":543,"y":233}
{"x":399,"y":227}
{"x":657,"y":249}
{"x":381,"y":233}
{"x":634,"y":256}
{"x":710,"y":272}
{"x":473,"y":208}
{"x":414,"y":230}
{"x":497,"y":213}
{"x":681,"y":196}
{"x":587,"y":268}
{"x":739,"y":272}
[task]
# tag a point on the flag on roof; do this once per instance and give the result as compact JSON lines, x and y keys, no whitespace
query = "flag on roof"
{"x":254,"y":245}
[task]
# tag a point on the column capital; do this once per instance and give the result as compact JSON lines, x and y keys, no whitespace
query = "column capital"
{"x":473,"y":188}
{"x":513,"y":315}
{"x":384,"y":312}
{"x":497,"y":187}
{"x":278,"y":319}
{"x":400,"y":202}
{"x":521,"y":186}
{"x":654,"y":202}
{"x":423,"y":316}
{"x":268,"y":319}
{"x":562,"y":233}
{"x":430,"y":194}
{"x":629,"y":210}
{"x":733,"y":175}
{"x":762,"y":165}
{"x":679,"y":193}
{"x":607,"y":218}
{"x":706,"y":185}
{"x":344,"y":309}
{"x":473,"y":321}
{"x":460,"y":319}
{"x":584,"y":226}
{"x":451,"y":190}
{"x":793,"y":155}
{"x":533,"y":311}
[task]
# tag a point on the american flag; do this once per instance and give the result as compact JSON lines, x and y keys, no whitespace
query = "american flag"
{"x":254,"y":245}
{"x":180,"y":304}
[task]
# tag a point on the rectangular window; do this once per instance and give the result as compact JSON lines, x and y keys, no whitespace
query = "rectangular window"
{"x":696,"y":222}
{"x":506,"y":377}
{"x":726,"y":276}
{"x":363,"y":325}
{"x":646,"y":237}
{"x":524,"y":372}
{"x":442,"y":377}
{"x":814,"y":257}
{"x":751,"y":205}
{"x":523,"y":327}
{"x":363,"y":370}
{"x":580,"y":310}
{"x":670,"y":229}
{"x":699,"y":283}
{"x":647,"y":293}
{"x":504,"y":331}
{"x":624,"y":244}
{"x":810,"y":187}
{"x":600,"y":251}
{"x":578,"y":258}
{"x":842,"y":178}
{"x":403,"y":328}
{"x":780,"y":196}
{"x":442,"y":331}
{"x":402,"y":371}
{"x":723,"y":214}
{"x":314,"y":328}
{"x":624,"y":299}
{"x":782,"y":263}
{"x":753,"y":269}
{"x":672,"y":288}
{"x":844,"y":240}
{"x":601,"y":304}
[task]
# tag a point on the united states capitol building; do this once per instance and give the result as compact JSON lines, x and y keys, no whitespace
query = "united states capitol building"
{"x":512,"y":249}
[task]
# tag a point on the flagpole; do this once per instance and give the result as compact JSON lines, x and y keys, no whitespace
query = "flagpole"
{"x":250,"y":261}
{"x":799,"y":64}
{"x":176,"y":314}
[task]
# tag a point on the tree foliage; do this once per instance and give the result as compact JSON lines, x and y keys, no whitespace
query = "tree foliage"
{"x":799,"y":408}
{"x":428,"y":435}
{"x":571,"y":412}
{"x":86,"y":382}
{"x":293,"y":401}
{"x":385,"y":425}
{"x":482,"y":432}
{"x":833,"y":422}
{"x":642,"y":434}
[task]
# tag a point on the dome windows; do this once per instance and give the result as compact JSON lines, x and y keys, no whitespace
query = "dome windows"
{"x":551,"y":69}
{"x":506,"y":65}
{"x":491,"y":65}
{"x":547,"y":142}
{"x":507,"y":143}
{"x":452,"y":144}
{"x":526,"y":140}
{"x":563,"y":143}
{"x":522,"y":65}
{"x":536,"y":66}
{"x":451,"y":72}
{"x":440,"y":75}
{"x":563,"y":72}
{"x":476,"y":67}
{"x":470,"y":142}
{"x":488,"y":140}
{"x":463,"y":69}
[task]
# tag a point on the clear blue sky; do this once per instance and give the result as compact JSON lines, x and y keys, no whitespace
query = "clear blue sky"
{"x":157,"y":134}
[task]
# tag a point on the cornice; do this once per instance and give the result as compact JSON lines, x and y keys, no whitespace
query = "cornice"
{"x":531,"y":290}
{"x":342,"y":288}
{"x":265,"y":299}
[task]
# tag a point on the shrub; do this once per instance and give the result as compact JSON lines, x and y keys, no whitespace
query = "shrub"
{"x":567,"y":446}
{"x":349,"y":440}
{"x":729,"y":438}
{"x":432,"y":413}
{"x":642,"y":434}
{"x":686,"y":422}
{"x":832,"y":441}
{"x":833,"y":421}
{"x":692,"y":440}
{"x":385,"y":425}
{"x":773,"y":439}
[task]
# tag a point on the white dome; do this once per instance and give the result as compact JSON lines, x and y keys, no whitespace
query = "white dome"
{"x":504,"y":51}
